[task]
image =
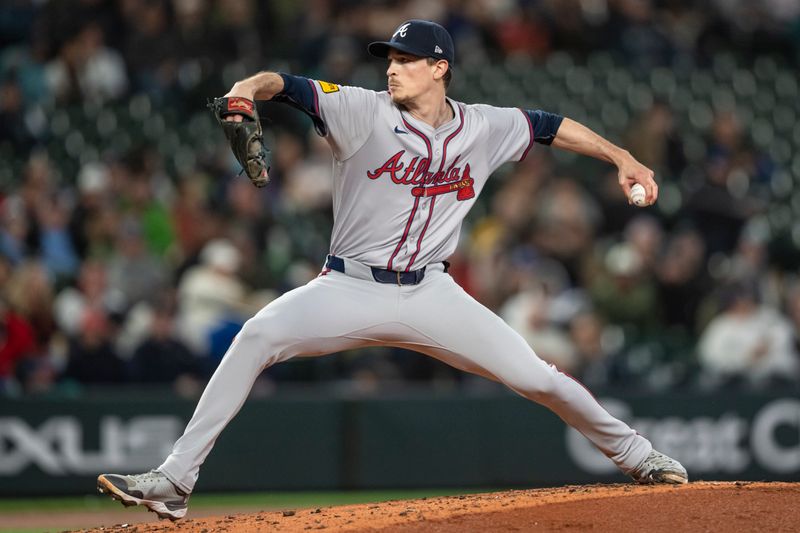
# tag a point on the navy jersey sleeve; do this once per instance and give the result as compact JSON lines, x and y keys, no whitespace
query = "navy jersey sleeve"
{"x":299,"y":93}
{"x":544,"y":125}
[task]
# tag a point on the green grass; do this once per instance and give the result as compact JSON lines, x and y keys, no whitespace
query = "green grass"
{"x":233,"y":502}
{"x":271,"y":500}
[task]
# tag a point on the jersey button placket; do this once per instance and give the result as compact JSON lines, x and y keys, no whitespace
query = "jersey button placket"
{"x":411,"y":244}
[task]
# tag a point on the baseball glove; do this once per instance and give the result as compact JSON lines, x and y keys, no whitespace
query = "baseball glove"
{"x":245,"y":137}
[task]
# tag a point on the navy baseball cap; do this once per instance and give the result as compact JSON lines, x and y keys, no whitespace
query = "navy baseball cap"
{"x":420,"y":38}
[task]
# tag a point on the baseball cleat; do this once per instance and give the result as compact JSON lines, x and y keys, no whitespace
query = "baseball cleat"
{"x":659,"y":468}
{"x":152,"y":489}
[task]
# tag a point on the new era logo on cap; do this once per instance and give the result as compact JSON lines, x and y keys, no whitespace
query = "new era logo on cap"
{"x":437,"y":49}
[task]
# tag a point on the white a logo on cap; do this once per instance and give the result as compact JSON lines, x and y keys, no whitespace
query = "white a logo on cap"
{"x":437,"y":49}
{"x":401,"y":30}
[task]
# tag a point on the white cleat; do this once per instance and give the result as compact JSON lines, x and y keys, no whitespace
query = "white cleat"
{"x":152,"y":489}
{"x":659,"y":468}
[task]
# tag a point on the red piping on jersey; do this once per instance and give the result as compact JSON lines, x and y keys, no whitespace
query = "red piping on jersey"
{"x":422,"y":235}
{"x":433,"y":200}
{"x":450,"y":137}
{"x":416,"y":200}
{"x":419,"y":134}
{"x":316,"y":98}
{"x":530,"y":129}
{"x":405,"y":233}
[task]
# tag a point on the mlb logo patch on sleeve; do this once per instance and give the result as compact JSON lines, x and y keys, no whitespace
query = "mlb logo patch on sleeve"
{"x":328,"y":87}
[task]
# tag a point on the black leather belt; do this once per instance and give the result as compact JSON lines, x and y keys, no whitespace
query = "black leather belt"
{"x":381,"y":275}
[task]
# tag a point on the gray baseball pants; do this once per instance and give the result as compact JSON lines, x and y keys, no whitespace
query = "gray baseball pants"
{"x":337,"y":311}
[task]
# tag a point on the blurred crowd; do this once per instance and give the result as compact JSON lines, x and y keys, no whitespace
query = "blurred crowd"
{"x":130,"y":252}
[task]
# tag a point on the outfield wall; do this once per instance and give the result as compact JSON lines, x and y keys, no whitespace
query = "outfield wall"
{"x":50,"y":447}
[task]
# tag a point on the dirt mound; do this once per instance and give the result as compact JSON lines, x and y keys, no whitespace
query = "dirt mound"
{"x":699,"y":506}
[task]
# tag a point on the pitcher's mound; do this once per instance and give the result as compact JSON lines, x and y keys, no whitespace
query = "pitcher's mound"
{"x":699,"y":506}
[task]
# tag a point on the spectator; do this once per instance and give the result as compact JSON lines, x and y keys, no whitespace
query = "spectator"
{"x":640,"y":37}
{"x":29,"y":293}
{"x":529,"y":314}
{"x":751,"y":260}
{"x":566,"y":217}
{"x":308,"y":185}
{"x":36,"y":375}
{"x":91,"y":358}
{"x":14,"y":229}
{"x":623,"y":292}
{"x":86,"y":68}
{"x":133,"y":270}
{"x":23,"y":65}
{"x":655,"y":141}
{"x":191,"y":217}
{"x":84,"y":171}
{"x":241,"y":36}
{"x":17,"y":341}
{"x":597,"y":350}
{"x":250,"y":222}
{"x":720,"y":207}
{"x":35,"y":221}
{"x":683,"y":280}
{"x":747,"y":343}
{"x":13,"y":127}
{"x":210,"y":294}
{"x":149,"y":47}
{"x":91,"y":293}
{"x":644,"y":234}
{"x":94,"y":201}
{"x":161,"y":357}
{"x":145,"y":192}
{"x":6,"y":271}
{"x":56,"y":250}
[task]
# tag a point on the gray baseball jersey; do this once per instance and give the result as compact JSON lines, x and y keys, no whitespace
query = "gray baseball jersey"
{"x":401,"y":187}
{"x":401,"y":190}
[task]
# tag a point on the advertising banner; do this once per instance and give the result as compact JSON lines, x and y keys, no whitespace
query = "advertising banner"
{"x":59,"y":447}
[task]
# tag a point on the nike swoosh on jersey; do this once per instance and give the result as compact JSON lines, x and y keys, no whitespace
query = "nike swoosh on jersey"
{"x":398,"y":130}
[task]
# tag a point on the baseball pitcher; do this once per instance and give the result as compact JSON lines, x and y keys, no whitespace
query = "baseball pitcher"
{"x":408,"y":164}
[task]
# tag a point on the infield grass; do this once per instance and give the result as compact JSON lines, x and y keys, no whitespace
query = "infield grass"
{"x":268,"y":500}
{"x":236,"y":502}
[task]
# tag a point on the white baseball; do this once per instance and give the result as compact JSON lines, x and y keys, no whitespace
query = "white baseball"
{"x":638,"y":195}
